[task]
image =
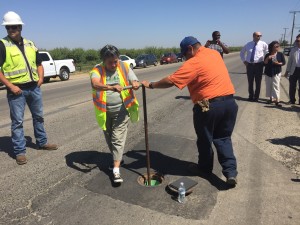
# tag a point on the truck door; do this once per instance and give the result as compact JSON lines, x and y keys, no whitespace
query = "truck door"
{"x":48,"y":64}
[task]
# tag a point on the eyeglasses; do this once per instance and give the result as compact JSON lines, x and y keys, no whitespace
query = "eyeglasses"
{"x":276,"y":46}
{"x":13,"y":27}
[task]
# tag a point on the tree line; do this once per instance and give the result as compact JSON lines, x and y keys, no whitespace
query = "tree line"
{"x":92,"y":56}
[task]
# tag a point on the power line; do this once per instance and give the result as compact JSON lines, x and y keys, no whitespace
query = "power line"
{"x":285,"y":28}
{"x":294,"y":12}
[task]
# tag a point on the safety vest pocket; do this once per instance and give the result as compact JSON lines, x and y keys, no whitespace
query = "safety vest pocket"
{"x":16,"y":58}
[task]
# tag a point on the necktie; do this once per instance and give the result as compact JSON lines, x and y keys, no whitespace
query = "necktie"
{"x":253,"y":52}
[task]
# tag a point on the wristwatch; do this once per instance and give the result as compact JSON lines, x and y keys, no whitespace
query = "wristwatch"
{"x":151,"y":85}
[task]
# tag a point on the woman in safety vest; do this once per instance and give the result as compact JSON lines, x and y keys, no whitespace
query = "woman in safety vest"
{"x":113,"y":105}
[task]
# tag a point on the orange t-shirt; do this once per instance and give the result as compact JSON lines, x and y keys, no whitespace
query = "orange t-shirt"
{"x":205,"y":74}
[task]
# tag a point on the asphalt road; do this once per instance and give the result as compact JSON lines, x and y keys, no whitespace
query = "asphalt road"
{"x":72,"y":185}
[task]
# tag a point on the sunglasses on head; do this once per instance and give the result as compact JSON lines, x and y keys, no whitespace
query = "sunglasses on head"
{"x":13,"y":27}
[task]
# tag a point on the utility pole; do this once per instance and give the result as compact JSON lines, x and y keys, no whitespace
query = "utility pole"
{"x":284,"y":36}
{"x":294,"y":12}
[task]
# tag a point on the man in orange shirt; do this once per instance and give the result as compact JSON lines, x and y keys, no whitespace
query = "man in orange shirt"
{"x":215,"y":110}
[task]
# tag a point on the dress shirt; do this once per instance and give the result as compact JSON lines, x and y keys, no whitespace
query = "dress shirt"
{"x":260,"y":51}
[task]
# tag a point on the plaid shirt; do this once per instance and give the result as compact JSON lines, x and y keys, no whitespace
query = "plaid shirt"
{"x":217,"y":48}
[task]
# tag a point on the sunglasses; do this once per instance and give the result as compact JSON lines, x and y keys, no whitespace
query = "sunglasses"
{"x":297,"y":40}
{"x":276,"y":46}
{"x":258,"y":35}
{"x":13,"y":27}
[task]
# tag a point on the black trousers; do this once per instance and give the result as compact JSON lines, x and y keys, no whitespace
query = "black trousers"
{"x":293,"y":85}
{"x":254,"y":73}
{"x":216,"y":126}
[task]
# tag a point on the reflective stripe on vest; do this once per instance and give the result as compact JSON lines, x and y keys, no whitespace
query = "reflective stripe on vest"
{"x":15,"y":68}
{"x":99,"y":97}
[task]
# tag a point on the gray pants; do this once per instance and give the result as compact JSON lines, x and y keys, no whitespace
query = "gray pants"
{"x":116,"y":132}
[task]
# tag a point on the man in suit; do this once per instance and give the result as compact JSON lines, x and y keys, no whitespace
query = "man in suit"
{"x":293,"y":71}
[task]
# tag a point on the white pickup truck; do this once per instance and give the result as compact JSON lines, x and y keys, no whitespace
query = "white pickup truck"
{"x":56,"y":68}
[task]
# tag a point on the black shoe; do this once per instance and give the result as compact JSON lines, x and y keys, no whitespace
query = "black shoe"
{"x":255,"y":100}
{"x":118,"y":178}
{"x":278,"y":104}
{"x":291,"y":103}
{"x":232,"y":181}
{"x":250,"y":99}
{"x":111,"y":166}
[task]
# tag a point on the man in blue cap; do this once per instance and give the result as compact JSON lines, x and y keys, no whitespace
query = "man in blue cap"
{"x":215,"y":110}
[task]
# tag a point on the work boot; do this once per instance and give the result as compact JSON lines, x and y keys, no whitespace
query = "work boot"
{"x":49,"y":147}
{"x":232,"y":181}
{"x":21,"y":159}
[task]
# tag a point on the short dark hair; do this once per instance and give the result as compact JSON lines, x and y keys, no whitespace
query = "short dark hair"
{"x":215,"y":32}
{"x":271,"y":45}
{"x":109,"y":51}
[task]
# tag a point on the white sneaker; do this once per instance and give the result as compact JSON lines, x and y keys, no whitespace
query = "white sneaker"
{"x":118,"y":178}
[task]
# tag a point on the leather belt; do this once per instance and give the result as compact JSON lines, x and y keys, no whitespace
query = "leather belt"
{"x":221,"y":98}
{"x":26,"y":85}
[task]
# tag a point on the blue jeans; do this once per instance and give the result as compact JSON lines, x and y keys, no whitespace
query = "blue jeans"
{"x":216,"y":126}
{"x":33,"y":97}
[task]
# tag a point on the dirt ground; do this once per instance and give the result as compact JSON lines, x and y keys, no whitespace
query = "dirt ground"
{"x":279,"y":130}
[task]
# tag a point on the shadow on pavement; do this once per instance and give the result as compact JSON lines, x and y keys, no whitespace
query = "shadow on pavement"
{"x":7,"y":147}
{"x":183,"y":97}
{"x":233,"y":73}
{"x":292,"y":142}
{"x":295,"y":180}
{"x":239,"y":98}
{"x":287,"y":109}
{"x":260,"y":101}
{"x":86,"y":161}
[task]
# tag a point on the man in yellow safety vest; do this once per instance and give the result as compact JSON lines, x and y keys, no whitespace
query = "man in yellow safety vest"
{"x":21,"y":71}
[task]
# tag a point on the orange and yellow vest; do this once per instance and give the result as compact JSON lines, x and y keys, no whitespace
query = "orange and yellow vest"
{"x":128,"y":97}
{"x":15,"y":68}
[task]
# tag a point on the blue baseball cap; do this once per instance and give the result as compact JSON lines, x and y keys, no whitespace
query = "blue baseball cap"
{"x":187,"y":41}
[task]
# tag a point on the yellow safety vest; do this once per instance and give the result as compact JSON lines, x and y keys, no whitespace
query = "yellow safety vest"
{"x":15,"y":68}
{"x":128,"y":97}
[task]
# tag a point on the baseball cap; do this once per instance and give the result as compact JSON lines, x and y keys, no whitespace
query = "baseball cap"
{"x":186,"y":42}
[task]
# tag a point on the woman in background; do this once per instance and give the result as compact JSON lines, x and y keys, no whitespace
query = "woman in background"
{"x":274,"y":60}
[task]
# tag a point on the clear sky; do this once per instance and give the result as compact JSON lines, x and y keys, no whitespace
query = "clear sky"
{"x":138,"y":23}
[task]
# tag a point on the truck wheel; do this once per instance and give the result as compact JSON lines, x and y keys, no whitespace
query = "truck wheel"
{"x":46,"y":79}
{"x":64,"y":75}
